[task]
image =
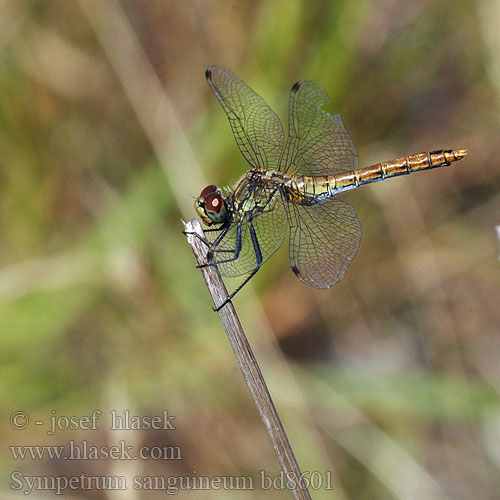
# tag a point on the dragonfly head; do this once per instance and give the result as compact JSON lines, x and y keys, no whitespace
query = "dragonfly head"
{"x":211,"y":206}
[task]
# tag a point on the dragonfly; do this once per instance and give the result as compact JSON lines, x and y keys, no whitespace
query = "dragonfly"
{"x":291,"y":186}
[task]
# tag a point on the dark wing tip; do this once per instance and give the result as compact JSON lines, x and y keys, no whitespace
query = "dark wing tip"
{"x":295,"y":269}
{"x":296,"y":86}
{"x":208,"y":73}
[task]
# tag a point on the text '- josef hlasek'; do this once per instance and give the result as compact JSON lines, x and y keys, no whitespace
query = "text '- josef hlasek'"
{"x":117,"y":421}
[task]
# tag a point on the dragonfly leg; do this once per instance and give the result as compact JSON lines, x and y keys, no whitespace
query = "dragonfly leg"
{"x":236,"y":251}
{"x":258,"y":264}
{"x":192,"y":233}
{"x":223,"y":229}
{"x":204,"y":240}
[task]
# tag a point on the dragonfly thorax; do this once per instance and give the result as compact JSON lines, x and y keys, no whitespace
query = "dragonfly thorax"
{"x":211,"y":206}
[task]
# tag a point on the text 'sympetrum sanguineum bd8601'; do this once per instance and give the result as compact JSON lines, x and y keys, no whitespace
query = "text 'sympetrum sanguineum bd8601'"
{"x":292,"y":183}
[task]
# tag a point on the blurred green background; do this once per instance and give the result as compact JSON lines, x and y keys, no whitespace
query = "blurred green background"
{"x":388,"y":383}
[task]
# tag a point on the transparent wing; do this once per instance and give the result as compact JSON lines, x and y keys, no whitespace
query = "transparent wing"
{"x":324,"y":238}
{"x":318,"y":143}
{"x":256,"y":127}
{"x":270,"y":228}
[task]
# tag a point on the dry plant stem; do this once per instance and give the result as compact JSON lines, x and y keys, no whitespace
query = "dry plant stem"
{"x":248,"y":363}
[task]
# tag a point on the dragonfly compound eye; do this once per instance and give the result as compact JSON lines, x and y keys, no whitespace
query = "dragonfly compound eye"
{"x":215,"y":208}
{"x":214,"y":202}
{"x":208,"y":190}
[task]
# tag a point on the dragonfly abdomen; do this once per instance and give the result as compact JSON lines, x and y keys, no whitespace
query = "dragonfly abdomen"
{"x":312,"y":189}
{"x":401,"y":166}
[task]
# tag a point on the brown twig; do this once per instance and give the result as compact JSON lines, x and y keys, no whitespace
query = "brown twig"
{"x":248,"y":364}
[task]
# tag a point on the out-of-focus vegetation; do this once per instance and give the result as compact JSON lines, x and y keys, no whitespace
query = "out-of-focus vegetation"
{"x":390,"y":380}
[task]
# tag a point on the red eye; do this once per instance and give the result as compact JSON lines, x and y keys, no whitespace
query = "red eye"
{"x":208,"y":190}
{"x":214,"y":202}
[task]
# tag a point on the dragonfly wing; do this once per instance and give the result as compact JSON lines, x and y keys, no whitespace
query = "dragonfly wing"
{"x":324,"y":238}
{"x":256,"y":127}
{"x":270,"y":229}
{"x":318,"y":143}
